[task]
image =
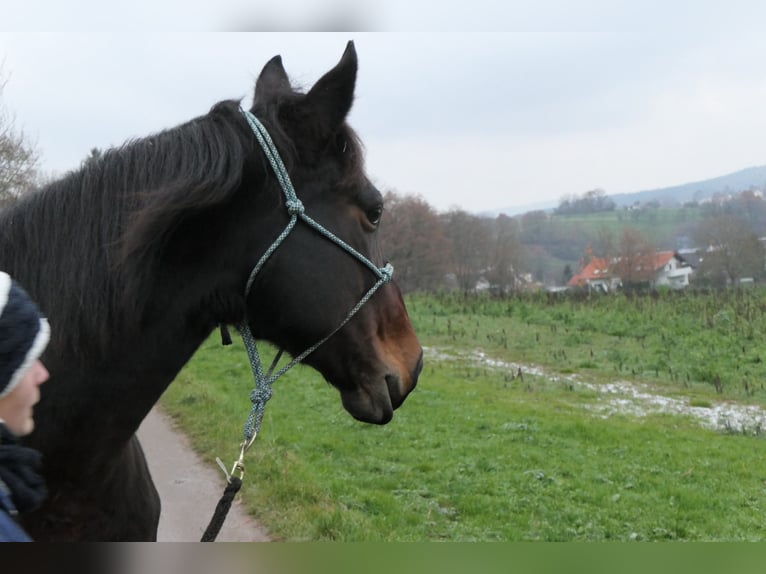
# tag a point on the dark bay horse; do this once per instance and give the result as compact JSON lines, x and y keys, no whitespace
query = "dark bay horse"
{"x":138,"y":255}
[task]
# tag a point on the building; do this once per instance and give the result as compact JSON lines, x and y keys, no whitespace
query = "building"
{"x":596,"y":276}
{"x":660,"y":269}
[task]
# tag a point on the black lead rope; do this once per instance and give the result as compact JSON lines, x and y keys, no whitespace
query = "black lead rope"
{"x":222,"y":509}
{"x":233,"y":483}
{"x":225,"y":336}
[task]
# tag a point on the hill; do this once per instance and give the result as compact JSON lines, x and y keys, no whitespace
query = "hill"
{"x":675,"y":195}
{"x":752,"y":177}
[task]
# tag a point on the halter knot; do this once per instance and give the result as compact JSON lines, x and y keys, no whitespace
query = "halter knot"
{"x":386,"y":272}
{"x":294,"y":206}
{"x":260,"y":395}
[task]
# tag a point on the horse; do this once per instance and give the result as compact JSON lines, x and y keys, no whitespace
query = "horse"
{"x":138,"y":255}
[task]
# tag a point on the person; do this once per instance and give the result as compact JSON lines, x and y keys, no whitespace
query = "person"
{"x":24,"y":334}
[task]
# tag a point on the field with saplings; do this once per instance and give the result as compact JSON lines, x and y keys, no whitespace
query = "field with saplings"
{"x":537,"y":417}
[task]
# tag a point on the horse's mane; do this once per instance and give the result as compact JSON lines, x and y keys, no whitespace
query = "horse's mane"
{"x":78,"y":242}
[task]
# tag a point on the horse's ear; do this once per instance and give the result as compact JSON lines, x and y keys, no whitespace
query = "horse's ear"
{"x":273,"y":79}
{"x":332,"y":96}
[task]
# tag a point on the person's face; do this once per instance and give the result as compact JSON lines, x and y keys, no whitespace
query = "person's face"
{"x":16,"y":408}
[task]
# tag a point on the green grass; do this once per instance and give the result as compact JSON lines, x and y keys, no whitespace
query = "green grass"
{"x":660,"y":224}
{"x":475,"y":454}
{"x":702,"y":343}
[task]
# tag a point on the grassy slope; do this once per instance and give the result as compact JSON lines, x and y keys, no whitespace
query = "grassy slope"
{"x":660,"y":224}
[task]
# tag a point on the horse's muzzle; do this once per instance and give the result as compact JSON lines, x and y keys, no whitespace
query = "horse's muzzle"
{"x":399,"y":389}
{"x":375,"y":403}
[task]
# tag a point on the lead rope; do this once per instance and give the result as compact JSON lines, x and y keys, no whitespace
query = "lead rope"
{"x":260,"y":395}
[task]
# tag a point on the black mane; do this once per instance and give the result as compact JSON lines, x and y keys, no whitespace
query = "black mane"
{"x":115,"y":212}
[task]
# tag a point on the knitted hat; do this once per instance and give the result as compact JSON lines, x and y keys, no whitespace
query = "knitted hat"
{"x":23,"y":333}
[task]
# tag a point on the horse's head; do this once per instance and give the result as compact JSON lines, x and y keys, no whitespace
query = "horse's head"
{"x":309,"y":284}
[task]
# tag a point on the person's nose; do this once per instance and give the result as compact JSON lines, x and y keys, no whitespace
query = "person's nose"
{"x":42,"y":373}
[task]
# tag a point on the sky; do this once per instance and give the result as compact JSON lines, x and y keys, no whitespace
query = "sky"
{"x":480,"y":106}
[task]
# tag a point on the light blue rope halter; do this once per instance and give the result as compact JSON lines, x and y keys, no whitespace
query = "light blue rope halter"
{"x":263,"y":380}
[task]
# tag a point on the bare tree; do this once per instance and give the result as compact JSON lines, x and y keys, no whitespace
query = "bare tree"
{"x":413,"y":237}
{"x":733,"y":250}
{"x":506,"y":257}
{"x":535,"y":226}
{"x":18,"y":156}
{"x":604,"y":243}
{"x":635,"y":263}
{"x":469,"y":237}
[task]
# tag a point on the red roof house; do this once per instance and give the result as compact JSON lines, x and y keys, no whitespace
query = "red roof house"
{"x":663,"y":268}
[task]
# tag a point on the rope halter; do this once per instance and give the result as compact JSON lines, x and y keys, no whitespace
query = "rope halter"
{"x":263,"y":380}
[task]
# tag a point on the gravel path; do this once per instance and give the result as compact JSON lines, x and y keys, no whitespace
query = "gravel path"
{"x":189,"y":487}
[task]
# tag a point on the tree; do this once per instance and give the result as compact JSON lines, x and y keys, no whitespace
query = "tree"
{"x":506,"y":256}
{"x":635,"y":262}
{"x":733,"y":251}
{"x":18,"y":156}
{"x":413,"y":237}
{"x":534,"y":227}
{"x":469,"y":237}
{"x":95,"y":155}
{"x":592,"y":201}
{"x":604,"y":243}
{"x":567,"y":274}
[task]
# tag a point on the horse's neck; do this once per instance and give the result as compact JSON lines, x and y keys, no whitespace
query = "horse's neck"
{"x":109,"y":364}
{"x":104,"y":403}
{"x":106,"y":375}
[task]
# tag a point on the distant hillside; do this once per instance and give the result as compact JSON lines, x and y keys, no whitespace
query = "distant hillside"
{"x":519,"y":209}
{"x":675,"y":195}
{"x":678,"y":194}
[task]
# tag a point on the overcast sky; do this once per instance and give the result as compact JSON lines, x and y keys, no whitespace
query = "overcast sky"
{"x":539,"y":103}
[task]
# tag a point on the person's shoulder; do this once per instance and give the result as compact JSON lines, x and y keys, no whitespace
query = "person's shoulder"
{"x":10,"y":531}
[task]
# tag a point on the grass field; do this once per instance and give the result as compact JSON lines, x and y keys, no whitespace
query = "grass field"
{"x":563,"y":239}
{"x":660,"y":224}
{"x":480,"y":453}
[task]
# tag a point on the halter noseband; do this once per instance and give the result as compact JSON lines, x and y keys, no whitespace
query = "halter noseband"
{"x":263,"y":380}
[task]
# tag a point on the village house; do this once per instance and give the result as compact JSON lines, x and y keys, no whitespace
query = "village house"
{"x":596,"y":276}
{"x":660,"y":269}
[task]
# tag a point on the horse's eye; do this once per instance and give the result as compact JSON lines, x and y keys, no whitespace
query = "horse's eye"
{"x":374,"y":214}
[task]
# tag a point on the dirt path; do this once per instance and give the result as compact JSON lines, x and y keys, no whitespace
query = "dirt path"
{"x":189,"y":488}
